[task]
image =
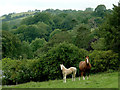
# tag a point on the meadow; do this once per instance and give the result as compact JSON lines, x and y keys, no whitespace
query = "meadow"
{"x":100,"y":80}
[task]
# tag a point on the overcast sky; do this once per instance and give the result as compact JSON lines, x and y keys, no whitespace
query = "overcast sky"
{"x":10,"y":6}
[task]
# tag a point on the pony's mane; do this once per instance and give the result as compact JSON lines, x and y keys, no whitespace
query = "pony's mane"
{"x":63,"y":67}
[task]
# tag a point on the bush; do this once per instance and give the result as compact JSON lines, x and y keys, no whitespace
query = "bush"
{"x":16,"y":71}
{"x":103,"y":61}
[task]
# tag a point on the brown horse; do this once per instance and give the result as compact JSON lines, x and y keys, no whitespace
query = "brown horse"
{"x":84,"y":67}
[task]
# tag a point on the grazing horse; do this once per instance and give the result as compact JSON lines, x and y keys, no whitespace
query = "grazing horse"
{"x":65,"y":72}
{"x":84,"y":67}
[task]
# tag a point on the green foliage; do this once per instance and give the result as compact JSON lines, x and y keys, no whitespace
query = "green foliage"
{"x":99,"y":44}
{"x":100,"y":10}
{"x":26,"y":50}
{"x":82,"y":37}
{"x":103,"y":61}
{"x":57,"y":19}
{"x":60,"y":37}
{"x":110,"y":30}
{"x":69,"y":22}
{"x":30,"y":32}
{"x":37,"y":43}
{"x":40,"y":17}
{"x":11,"y":45}
{"x":16,"y":71}
{"x":24,"y":33}
{"x":5,"y":26}
{"x":44,"y":30}
{"x":89,"y":9}
{"x":54,"y":32}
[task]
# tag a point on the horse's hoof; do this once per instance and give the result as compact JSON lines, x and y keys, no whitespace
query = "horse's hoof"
{"x":83,"y":78}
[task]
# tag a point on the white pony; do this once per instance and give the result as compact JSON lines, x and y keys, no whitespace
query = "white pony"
{"x":68,"y":71}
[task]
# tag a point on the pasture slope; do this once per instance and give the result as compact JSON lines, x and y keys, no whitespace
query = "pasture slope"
{"x":100,"y":80}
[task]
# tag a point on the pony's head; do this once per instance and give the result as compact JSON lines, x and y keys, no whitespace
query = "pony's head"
{"x":87,"y":59}
{"x":61,"y":66}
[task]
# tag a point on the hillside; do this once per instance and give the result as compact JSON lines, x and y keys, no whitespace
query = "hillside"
{"x":100,"y":80}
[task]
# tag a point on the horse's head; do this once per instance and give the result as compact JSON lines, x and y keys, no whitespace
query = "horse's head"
{"x":61,"y":66}
{"x":87,"y":59}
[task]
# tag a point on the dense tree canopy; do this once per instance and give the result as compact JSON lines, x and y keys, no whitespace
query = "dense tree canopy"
{"x":81,"y":28}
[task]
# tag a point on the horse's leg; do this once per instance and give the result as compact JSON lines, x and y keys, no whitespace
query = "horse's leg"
{"x":88,"y":74}
{"x":79,"y":74}
{"x":84,"y":73}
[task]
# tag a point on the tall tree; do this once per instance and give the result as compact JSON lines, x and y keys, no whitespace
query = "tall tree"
{"x":37,"y":43}
{"x":100,"y":10}
{"x":83,"y":36}
{"x":110,"y":30}
{"x":11,"y":45}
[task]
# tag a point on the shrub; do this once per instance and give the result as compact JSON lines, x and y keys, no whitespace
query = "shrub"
{"x":16,"y":71}
{"x":103,"y":60}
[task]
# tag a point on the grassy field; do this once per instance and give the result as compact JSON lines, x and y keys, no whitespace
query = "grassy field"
{"x":101,"y":80}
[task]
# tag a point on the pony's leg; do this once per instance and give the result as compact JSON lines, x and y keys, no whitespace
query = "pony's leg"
{"x":65,"y":78}
{"x":75,"y":74}
{"x":72,"y":77}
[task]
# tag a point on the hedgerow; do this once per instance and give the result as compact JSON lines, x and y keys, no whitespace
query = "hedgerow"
{"x":47,"y":67}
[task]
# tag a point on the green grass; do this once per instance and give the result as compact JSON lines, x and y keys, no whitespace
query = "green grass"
{"x":101,"y":80}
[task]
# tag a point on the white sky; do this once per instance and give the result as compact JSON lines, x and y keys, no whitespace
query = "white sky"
{"x":10,"y":6}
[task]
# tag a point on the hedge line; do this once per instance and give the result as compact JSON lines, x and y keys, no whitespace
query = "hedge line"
{"x":48,"y":66}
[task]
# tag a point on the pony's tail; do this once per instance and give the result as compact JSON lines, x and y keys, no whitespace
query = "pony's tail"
{"x":75,"y":71}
